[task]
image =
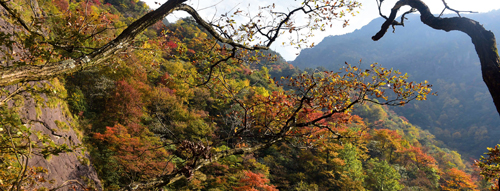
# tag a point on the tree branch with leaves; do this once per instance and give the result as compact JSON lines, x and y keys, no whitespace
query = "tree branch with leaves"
{"x":295,"y":115}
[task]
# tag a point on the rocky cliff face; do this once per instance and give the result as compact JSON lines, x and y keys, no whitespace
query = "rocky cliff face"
{"x":51,"y":117}
{"x":49,"y":114}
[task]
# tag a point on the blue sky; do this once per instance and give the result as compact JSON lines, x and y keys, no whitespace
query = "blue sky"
{"x":210,"y":8}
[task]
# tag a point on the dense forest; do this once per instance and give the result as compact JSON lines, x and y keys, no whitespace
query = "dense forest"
{"x":180,"y":109}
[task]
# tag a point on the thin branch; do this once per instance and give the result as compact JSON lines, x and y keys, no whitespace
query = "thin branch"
{"x":25,"y":165}
{"x":164,"y":126}
{"x":291,"y":122}
{"x":214,"y":33}
{"x":210,"y":73}
{"x":47,"y":127}
{"x":454,"y":10}
{"x":327,"y":115}
{"x":16,"y":154}
{"x":19,"y":90}
{"x":379,"y":5}
{"x":394,"y":22}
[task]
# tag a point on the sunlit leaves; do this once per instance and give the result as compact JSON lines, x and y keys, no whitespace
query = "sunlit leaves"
{"x":264,"y":27}
{"x":327,"y":93}
{"x":490,"y":166}
{"x":457,"y":180}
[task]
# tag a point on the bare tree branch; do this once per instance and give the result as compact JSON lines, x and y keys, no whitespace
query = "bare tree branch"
{"x":210,"y":73}
{"x":394,"y":22}
{"x":451,"y":9}
{"x":214,"y":33}
{"x":483,"y":40}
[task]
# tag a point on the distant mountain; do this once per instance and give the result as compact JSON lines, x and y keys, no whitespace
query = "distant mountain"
{"x":463,"y":115}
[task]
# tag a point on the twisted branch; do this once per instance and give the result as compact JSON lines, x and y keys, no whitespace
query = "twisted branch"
{"x":484,"y":40}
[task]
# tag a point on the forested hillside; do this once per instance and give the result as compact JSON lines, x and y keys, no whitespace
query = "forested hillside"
{"x":180,"y":109}
{"x":462,"y":115}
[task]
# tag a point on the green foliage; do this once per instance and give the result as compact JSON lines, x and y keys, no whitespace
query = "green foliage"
{"x":490,"y":166}
{"x":10,"y":139}
{"x":61,"y":125}
{"x":302,"y":186}
{"x":77,"y":102}
{"x":381,"y":176}
{"x":351,"y":174}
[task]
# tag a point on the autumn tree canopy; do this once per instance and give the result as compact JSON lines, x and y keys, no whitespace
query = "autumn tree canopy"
{"x":224,"y":31}
{"x":182,"y":106}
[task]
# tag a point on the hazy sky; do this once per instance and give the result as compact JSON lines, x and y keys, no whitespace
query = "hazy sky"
{"x":368,"y":12}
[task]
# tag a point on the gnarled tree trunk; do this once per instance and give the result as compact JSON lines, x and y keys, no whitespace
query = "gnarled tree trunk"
{"x":483,"y":40}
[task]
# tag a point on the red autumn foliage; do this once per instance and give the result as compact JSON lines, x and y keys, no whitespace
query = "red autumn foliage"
{"x":135,"y":152}
{"x":96,"y":2}
{"x":171,"y":44}
{"x":255,"y":182}
{"x":126,"y":104}
{"x":61,"y":4}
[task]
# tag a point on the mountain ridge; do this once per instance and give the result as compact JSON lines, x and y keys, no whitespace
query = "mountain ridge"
{"x":447,"y":60}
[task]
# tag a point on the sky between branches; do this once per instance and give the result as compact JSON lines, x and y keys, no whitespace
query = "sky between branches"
{"x":213,"y":8}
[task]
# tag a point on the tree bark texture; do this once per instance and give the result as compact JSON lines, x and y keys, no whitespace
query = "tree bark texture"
{"x":483,"y":40}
